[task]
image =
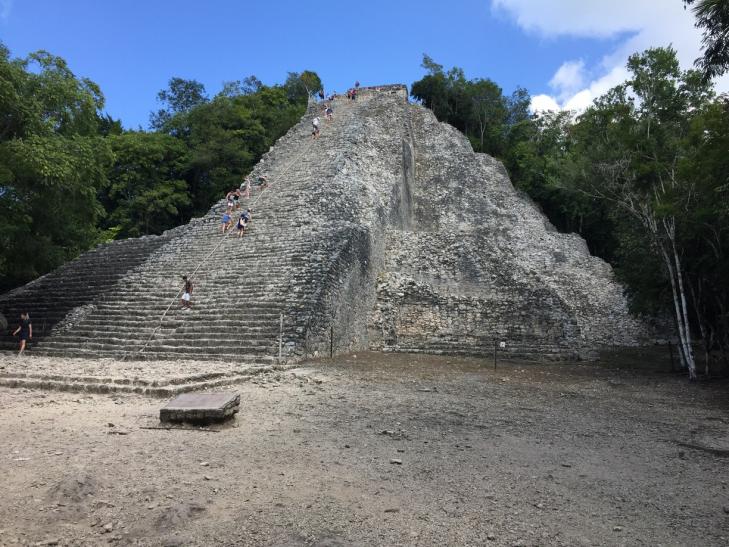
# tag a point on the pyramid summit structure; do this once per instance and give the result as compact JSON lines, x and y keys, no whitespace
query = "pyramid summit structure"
{"x":386,"y":233}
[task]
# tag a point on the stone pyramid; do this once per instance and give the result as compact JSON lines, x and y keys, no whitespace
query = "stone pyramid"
{"x":386,"y":233}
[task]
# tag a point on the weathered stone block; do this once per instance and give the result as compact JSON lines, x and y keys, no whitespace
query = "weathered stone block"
{"x":201,"y":407}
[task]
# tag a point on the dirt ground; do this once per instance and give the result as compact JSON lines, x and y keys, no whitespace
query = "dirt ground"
{"x":379,"y":450}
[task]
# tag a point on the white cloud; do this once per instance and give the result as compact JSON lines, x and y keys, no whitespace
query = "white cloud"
{"x":592,"y":18}
{"x":6,"y":6}
{"x":644,"y":24}
{"x":568,"y":78}
{"x":540,"y":103}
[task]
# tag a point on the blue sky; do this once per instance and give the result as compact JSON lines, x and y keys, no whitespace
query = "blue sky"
{"x":557,"y":49}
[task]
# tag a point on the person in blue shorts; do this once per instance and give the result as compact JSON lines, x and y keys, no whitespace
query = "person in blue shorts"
{"x":225,"y":222}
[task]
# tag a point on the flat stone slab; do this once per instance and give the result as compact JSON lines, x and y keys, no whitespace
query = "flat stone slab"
{"x":200,"y":407}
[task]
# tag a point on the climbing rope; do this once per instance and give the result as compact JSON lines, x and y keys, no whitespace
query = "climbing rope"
{"x":217,"y":246}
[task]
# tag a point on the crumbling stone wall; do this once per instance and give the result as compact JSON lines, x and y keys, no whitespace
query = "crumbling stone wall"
{"x":480,"y":265}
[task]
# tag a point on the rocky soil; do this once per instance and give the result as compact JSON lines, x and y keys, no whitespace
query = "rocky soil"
{"x":378,"y":450}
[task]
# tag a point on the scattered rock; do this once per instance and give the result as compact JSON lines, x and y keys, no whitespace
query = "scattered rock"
{"x":392,"y":510}
{"x":107,"y":528}
{"x":396,"y":461}
{"x":617,"y":528}
{"x":73,"y":489}
{"x":179,"y":515}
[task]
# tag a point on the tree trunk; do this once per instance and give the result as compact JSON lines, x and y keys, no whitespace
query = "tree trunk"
{"x":684,"y":311}
{"x":705,"y":336}
{"x":677,"y":311}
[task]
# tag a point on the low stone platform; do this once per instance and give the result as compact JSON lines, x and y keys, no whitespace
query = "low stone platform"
{"x":201,"y":408}
{"x":152,"y":378}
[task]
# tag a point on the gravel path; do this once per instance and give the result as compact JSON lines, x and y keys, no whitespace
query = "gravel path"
{"x":378,"y":450}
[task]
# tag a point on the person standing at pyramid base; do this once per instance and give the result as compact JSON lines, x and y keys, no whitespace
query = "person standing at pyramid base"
{"x":26,"y":331}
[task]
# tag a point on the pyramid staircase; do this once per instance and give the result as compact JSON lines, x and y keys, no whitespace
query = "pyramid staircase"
{"x":121,"y":300}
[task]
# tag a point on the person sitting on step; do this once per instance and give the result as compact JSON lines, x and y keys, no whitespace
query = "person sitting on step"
{"x":315,"y":130}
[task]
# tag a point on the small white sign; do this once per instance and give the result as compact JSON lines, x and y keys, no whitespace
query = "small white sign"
{"x":502,"y":345}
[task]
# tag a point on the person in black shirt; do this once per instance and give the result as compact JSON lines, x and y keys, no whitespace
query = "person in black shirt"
{"x":26,"y":331}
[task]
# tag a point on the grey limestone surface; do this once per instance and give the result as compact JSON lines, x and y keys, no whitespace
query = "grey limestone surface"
{"x":388,"y":233}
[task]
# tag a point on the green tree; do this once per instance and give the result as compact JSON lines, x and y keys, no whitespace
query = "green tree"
{"x":146,"y":192}
{"x":300,"y":86}
{"x":712,"y":16}
{"x":52,"y":162}
{"x":705,"y":229}
{"x":180,"y":97}
{"x":628,"y":149}
{"x":489,"y":112}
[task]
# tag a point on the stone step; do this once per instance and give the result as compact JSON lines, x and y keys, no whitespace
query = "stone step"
{"x":208,"y":340}
{"x":86,"y":385}
{"x":523,"y":352}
